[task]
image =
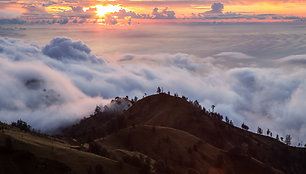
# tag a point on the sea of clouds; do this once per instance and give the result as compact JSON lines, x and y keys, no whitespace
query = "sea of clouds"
{"x":56,"y":84}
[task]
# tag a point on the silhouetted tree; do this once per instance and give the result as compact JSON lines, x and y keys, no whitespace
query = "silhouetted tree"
{"x":277,"y":137}
{"x":22,"y":125}
{"x":259,"y":131}
{"x":213,"y":108}
{"x":244,"y":126}
{"x":282,"y":139}
{"x":135,"y":99}
{"x":98,"y":110}
{"x":226,"y":119}
{"x":196,"y":104}
{"x":288,"y":140}
{"x":185,"y":98}
{"x":231,"y":123}
{"x":268,"y":132}
{"x":204,"y":109}
{"x":158,"y":90}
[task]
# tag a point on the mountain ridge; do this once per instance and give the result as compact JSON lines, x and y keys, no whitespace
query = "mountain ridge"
{"x":158,"y":134}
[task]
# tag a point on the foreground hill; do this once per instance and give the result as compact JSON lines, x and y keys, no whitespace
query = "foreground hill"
{"x":164,"y":113}
{"x":158,"y":134}
{"x":178,"y":113}
{"x":176,"y":151}
{"x":23,"y":152}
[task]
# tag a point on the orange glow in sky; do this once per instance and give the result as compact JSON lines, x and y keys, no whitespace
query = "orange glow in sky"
{"x":103,"y":10}
{"x":57,"y":8}
{"x":91,"y":11}
{"x":288,"y":8}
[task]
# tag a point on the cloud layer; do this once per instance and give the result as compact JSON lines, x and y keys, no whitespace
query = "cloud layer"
{"x":48,"y":86}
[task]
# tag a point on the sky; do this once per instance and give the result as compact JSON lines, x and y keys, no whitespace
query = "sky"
{"x":127,"y":11}
{"x":60,"y":59}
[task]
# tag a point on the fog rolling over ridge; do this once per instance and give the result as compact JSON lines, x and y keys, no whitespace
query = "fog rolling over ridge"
{"x":60,"y":82}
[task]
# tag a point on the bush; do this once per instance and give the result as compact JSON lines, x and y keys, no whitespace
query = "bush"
{"x":22,"y":125}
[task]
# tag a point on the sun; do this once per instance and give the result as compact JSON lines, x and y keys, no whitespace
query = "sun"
{"x":103,"y":10}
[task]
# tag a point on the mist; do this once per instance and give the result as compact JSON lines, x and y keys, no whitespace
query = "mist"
{"x":60,"y":82}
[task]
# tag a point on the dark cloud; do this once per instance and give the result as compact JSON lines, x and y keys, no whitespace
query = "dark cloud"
{"x":126,"y":58}
{"x":216,"y":8}
{"x":121,"y":14}
{"x":216,"y":12}
{"x":78,"y":9}
{"x":163,"y":14}
{"x":12,"y":21}
{"x":64,"y":49}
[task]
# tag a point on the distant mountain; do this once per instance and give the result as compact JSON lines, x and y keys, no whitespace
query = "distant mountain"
{"x":157,"y":134}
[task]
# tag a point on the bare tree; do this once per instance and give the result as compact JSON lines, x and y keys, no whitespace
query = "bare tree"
{"x":288,"y":140}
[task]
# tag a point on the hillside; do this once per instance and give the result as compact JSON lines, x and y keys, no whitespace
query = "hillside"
{"x":23,"y":152}
{"x":176,"y":151}
{"x":178,"y":113}
{"x":157,"y":134}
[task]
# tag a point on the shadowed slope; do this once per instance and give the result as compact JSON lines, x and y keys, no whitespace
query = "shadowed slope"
{"x":176,"y":151}
{"x":55,"y":156}
{"x":178,"y":113}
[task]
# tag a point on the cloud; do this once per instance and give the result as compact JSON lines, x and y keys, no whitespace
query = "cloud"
{"x":233,"y":55}
{"x":164,"y":14}
{"x":64,"y":49}
{"x":77,"y":9}
{"x":49,"y":90}
{"x":122,"y":14}
{"x":217,"y":13}
{"x":299,"y":60}
{"x":12,"y":21}
{"x":126,"y":58}
{"x":216,"y":8}
{"x":111,"y":20}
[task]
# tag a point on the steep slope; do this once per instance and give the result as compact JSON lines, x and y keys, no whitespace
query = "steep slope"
{"x":242,"y":148}
{"x":174,"y":112}
{"x":176,"y":151}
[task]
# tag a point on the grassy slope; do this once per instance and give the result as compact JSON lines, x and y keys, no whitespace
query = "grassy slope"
{"x":169,"y":111}
{"x":173,"y":133}
{"x":58,"y":150}
{"x":182,"y":151}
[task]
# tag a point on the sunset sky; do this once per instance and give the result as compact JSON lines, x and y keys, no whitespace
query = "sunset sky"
{"x":112,"y":12}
